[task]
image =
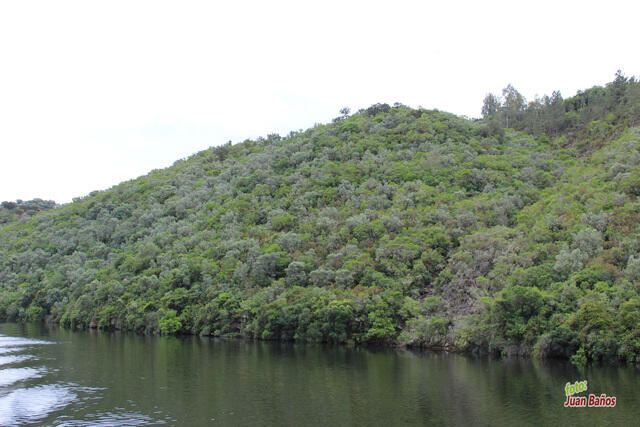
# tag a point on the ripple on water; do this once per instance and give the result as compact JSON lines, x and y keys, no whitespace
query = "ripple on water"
{"x":13,"y":375}
{"x":10,"y":350}
{"x":9,"y":345}
{"x":30,"y":404}
{"x":6,"y":341}
{"x":108,"y":419}
{"x":9,"y":360}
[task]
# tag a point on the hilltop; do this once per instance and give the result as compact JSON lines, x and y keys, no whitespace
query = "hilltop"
{"x":513,"y":234}
{"x":15,"y":211}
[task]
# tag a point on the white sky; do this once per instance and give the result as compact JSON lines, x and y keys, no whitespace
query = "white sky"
{"x":94,"y":93}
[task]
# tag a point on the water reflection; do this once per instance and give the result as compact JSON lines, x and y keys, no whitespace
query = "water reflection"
{"x":122,"y":379}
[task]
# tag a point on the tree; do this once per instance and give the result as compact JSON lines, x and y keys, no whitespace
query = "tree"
{"x":618,"y":88}
{"x":513,"y":105}
{"x":490,"y":106}
{"x":554,"y":113}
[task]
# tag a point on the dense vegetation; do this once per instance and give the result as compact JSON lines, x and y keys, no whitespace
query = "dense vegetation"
{"x":392,"y":225}
{"x":13,"y":211}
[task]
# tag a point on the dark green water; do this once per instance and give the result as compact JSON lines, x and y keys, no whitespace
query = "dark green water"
{"x":50,"y":376}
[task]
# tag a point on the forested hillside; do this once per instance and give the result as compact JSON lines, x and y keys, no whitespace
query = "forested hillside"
{"x":13,"y":211}
{"x":514,"y":234}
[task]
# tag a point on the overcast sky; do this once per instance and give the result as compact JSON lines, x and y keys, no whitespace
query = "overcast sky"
{"x":94,"y":93}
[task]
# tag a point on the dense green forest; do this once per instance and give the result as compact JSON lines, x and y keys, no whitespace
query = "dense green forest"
{"x":517,"y":233}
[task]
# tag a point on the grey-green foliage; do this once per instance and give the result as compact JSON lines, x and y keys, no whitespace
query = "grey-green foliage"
{"x":321,"y":277}
{"x":588,"y":241}
{"x":632,"y":271}
{"x":290,"y":242}
{"x":569,"y":261}
{"x":296,"y":274}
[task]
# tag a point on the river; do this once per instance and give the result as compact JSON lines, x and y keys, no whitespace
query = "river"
{"x":52,"y":376}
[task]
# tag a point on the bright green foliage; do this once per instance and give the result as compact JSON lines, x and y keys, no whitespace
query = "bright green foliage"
{"x":390,"y":225}
{"x":169,"y":323}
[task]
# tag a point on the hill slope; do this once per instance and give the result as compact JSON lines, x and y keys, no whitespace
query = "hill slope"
{"x":391,"y":225}
{"x":15,"y":211}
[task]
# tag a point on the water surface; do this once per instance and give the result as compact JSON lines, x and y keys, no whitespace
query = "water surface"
{"x":51,"y":376}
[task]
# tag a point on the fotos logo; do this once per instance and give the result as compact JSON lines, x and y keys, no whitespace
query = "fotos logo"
{"x":592,"y":401}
